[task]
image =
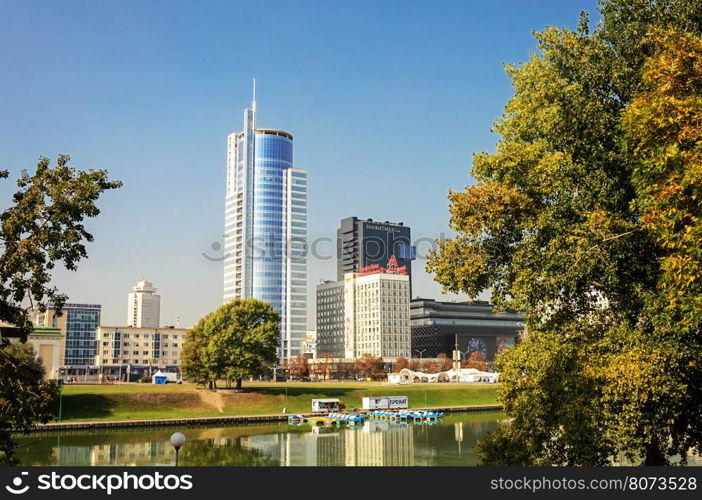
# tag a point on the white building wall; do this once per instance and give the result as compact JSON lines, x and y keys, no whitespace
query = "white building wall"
{"x":144,"y":306}
{"x":377,"y":315}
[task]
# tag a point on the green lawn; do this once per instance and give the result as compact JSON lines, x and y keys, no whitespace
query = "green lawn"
{"x":145,"y":401}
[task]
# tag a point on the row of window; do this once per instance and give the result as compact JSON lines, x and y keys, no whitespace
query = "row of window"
{"x":137,"y":362}
{"x":155,"y":354}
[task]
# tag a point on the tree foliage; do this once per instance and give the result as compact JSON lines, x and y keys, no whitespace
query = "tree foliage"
{"x":370,"y":366}
{"x":192,"y":355}
{"x":43,"y":226}
{"x":476,"y":360}
{"x":585,"y":219}
{"x":298,"y":366}
{"x":445,"y":363}
{"x":237,"y":341}
{"x":25,"y":397}
{"x":401,"y":363}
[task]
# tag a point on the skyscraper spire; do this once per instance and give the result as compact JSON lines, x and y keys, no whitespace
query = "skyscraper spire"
{"x":253,"y":103}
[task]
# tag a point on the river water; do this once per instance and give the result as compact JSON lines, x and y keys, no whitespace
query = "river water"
{"x":448,"y":442}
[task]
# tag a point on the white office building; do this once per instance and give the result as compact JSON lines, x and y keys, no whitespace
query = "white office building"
{"x":144,"y":309}
{"x":377,"y":313}
{"x":266,"y":227}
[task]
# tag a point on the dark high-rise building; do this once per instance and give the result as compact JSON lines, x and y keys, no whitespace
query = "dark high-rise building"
{"x":361,"y":243}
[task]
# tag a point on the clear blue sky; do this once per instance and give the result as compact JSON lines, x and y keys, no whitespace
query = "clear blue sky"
{"x":387,"y":101}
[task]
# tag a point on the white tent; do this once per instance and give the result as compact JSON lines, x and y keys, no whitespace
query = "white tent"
{"x":406,"y":376}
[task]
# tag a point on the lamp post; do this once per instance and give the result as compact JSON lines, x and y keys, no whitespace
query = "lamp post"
{"x":421,"y":352}
{"x":60,"y":384}
{"x":177,"y":440}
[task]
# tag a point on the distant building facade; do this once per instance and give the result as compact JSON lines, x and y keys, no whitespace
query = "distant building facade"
{"x":309,"y":348}
{"x":330,"y":319}
{"x":361,"y":243}
{"x":436,"y":326}
{"x":138,"y":351}
{"x":376,"y":315}
{"x":366,"y":313}
{"x":78,"y":323}
{"x":48,"y":344}
{"x":144,"y":307}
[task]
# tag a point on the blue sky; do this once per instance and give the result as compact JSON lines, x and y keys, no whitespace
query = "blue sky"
{"x":387,"y":101}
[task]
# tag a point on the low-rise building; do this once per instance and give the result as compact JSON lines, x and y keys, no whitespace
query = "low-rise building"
{"x":48,"y":345}
{"x":130,"y":353}
{"x":46,"y":341}
{"x":78,"y":324}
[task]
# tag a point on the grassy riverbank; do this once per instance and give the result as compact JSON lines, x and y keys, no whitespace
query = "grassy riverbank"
{"x":147,"y":401}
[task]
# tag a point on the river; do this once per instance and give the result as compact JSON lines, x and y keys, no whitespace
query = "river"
{"x":448,"y":442}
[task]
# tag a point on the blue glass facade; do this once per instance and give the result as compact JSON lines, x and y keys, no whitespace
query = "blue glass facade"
{"x":81,"y":327}
{"x":266,"y":227}
{"x":273,"y":157}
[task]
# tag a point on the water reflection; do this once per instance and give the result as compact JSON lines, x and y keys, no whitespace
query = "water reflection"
{"x":449,"y":442}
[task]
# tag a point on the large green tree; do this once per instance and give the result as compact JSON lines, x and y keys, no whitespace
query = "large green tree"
{"x":556,"y":226}
{"x":25,"y":397}
{"x":192,"y":356}
{"x":237,"y":341}
{"x":42,"y":226}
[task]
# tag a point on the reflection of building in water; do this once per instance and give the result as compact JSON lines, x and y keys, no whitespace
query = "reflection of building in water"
{"x":73,"y":455}
{"x":286,"y":448}
{"x":380,"y":443}
{"x":146,"y":453}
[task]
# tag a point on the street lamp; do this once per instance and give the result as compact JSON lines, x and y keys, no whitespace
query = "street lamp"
{"x":177,"y":440}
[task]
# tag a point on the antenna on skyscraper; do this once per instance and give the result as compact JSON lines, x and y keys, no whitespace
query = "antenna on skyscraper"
{"x":253,"y":104}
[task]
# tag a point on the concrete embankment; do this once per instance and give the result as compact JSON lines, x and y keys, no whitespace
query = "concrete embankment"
{"x":214,"y":420}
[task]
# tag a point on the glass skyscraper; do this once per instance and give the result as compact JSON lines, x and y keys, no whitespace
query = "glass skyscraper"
{"x":266,"y":227}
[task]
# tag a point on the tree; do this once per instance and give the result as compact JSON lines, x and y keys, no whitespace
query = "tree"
{"x":560,"y":226}
{"x":431,"y":365}
{"x":370,"y":366}
{"x":401,"y":363}
{"x":25,"y":397}
{"x":192,"y":356}
{"x":476,"y":360}
{"x":42,"y":226}
{"x":322,"y":366}
{"x":299,"y":367}
{"x":242,"y":340}
{"x":444,"y":362}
